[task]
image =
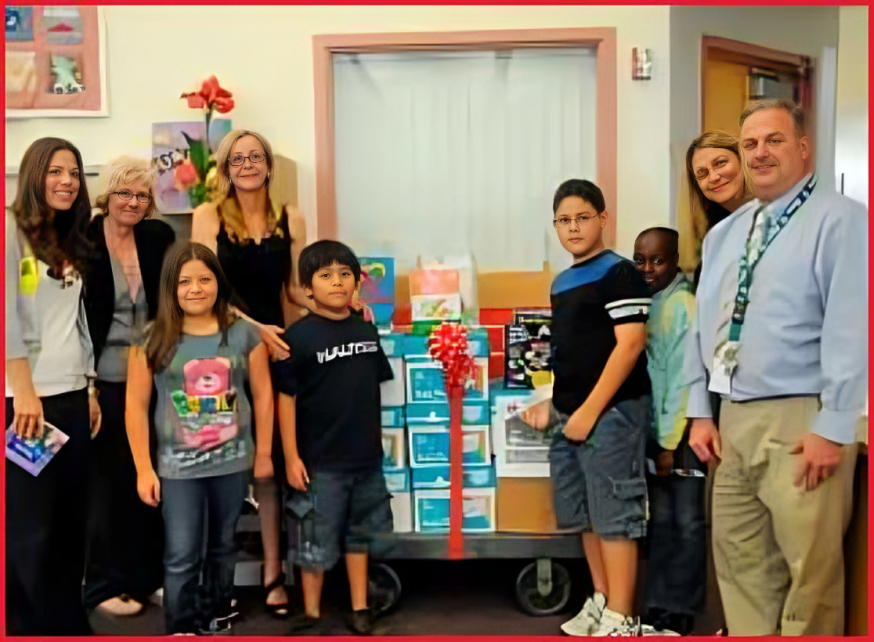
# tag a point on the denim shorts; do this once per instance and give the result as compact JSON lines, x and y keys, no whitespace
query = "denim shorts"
{"x":340,"y":512}
{"x":600,"y":483}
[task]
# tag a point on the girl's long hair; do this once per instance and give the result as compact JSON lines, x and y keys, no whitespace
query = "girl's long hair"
{"x":54,"y":237}
{"x":166,"y":330}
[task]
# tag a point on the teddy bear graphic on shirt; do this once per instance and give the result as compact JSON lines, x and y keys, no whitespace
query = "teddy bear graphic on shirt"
{"x":207,"y":405}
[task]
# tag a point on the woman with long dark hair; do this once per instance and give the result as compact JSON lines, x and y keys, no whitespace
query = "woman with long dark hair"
{"x":199,"y":357}
{"x":121,"y":297}
{"x":49,"y":359}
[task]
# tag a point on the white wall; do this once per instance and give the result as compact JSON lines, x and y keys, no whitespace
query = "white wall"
{"x":793,"y":29}
{"x":264,"y":56}
{"x":851,"y":131}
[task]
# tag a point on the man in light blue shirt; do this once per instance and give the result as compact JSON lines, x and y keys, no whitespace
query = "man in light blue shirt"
{"x":781,"y":335}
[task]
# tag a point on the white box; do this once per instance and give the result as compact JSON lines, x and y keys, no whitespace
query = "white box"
{"x":393,"y":392}
{"x":402,"y":512}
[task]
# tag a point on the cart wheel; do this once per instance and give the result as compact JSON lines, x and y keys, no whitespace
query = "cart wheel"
{"x":383,"y":587}
{"x":551,"y":595}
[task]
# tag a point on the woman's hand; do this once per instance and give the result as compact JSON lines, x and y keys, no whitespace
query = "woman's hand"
{"x":94,"y":412}
{"x":149,"y":488}
{"x":297,"y":474}
{"x":263,"y":466}
{"x":271,"y":335}
{"x":28,"y":419}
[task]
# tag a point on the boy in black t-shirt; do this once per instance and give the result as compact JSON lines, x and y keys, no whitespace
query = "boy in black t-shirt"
{"x":602,"y":398}
{"x":329,"y":418}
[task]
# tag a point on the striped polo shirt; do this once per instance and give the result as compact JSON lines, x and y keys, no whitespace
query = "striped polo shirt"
{"x":588,"y":300}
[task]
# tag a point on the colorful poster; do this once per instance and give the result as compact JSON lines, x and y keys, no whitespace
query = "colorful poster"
{"x":170,"y":153}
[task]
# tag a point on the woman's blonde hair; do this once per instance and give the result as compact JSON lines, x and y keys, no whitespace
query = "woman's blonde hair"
{"x":699,"y":203}
{"x":126,"y":173}
{"x":226,"y":203}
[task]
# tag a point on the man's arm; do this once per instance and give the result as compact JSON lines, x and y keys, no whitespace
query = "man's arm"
{"x":841,"y":269}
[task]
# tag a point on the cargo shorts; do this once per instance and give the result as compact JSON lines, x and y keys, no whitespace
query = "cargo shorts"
{"x":600,"y":483}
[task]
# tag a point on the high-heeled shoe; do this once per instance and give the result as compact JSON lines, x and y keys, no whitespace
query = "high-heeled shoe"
{"x":276,"y":610}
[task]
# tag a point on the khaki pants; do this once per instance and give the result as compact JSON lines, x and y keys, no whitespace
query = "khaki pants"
{"x":778,"y":550}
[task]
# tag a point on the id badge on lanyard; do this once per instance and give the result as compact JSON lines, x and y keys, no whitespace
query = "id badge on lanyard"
{"x":725,"y":354}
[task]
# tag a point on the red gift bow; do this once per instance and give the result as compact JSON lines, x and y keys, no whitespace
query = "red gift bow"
{"x":448,"y":345}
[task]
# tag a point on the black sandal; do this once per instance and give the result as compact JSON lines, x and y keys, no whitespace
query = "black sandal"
{"x":276,"y":610}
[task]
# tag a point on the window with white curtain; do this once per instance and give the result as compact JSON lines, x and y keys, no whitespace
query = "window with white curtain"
{"x":444,"y":153}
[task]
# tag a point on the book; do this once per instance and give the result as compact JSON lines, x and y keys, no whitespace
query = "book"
{"x":34,"y":454}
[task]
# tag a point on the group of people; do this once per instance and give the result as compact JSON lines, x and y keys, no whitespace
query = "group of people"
{"x":178,"y":376}
{"x":757,"y":370}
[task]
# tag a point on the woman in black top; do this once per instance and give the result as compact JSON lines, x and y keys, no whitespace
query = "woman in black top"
{"x":121,"y":295}
{"x":258,"y":243}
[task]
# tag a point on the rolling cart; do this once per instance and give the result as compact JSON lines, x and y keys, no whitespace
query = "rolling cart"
{"x":543,"y":587}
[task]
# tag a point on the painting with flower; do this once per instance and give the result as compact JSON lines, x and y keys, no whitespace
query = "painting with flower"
{"x":183,"y":152}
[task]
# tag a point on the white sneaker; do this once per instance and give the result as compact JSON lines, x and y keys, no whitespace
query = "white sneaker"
{"x":615,"y":624}
{"x":586,"y":621}
{"x":157,"y":598}
{"x":647,"y":630}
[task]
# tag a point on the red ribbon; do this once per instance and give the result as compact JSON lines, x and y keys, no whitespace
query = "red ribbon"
{"x":448,"y":345}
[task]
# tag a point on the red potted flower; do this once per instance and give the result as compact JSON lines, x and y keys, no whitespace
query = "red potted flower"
{"x":211,"y":98}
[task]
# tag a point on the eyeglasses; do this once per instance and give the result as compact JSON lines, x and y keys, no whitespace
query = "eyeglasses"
{"x":564,"y":221}
{"x":239,"y":159}
{"x":126,"y":196}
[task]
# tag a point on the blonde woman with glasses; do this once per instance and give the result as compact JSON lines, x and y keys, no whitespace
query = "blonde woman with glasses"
{"x":121,"y":297}
{"x":258,"y":243}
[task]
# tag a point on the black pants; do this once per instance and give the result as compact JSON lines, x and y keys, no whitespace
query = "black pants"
{"x":45,"y":529}
{"x":676,"y":569}
{"x":125,"y":536}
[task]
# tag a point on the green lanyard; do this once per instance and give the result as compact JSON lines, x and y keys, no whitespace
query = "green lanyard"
{"x":752,"y":256}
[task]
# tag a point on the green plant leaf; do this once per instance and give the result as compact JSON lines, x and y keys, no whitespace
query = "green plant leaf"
{"x":198,"y":152}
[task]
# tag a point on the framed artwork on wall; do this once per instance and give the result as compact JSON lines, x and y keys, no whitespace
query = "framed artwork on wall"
{"x":55,"y":62}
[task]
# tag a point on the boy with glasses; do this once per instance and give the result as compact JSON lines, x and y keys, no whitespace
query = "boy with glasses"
{"x":601,"y":399}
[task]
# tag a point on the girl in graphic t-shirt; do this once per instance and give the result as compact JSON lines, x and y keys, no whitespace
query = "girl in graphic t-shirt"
{"x":199,"y":359}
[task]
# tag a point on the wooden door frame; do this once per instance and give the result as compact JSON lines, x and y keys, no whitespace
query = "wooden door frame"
{"x":603,"y":39}
{"x":758,"y":55}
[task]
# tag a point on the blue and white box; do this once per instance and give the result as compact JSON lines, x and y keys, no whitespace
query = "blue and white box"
{"x":431,"y":510}
{"x":429,"y":445}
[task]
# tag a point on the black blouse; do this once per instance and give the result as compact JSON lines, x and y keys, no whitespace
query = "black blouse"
{"x":258,"y":272}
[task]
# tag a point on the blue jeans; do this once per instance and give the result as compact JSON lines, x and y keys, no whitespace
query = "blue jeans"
{"x":677,"y":567}
{"x":190,"y":605}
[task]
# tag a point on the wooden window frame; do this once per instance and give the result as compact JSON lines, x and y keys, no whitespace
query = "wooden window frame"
{"x":602,"y":39}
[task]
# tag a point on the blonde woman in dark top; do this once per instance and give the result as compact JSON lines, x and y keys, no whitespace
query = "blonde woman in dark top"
{"x":258,"y":243}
